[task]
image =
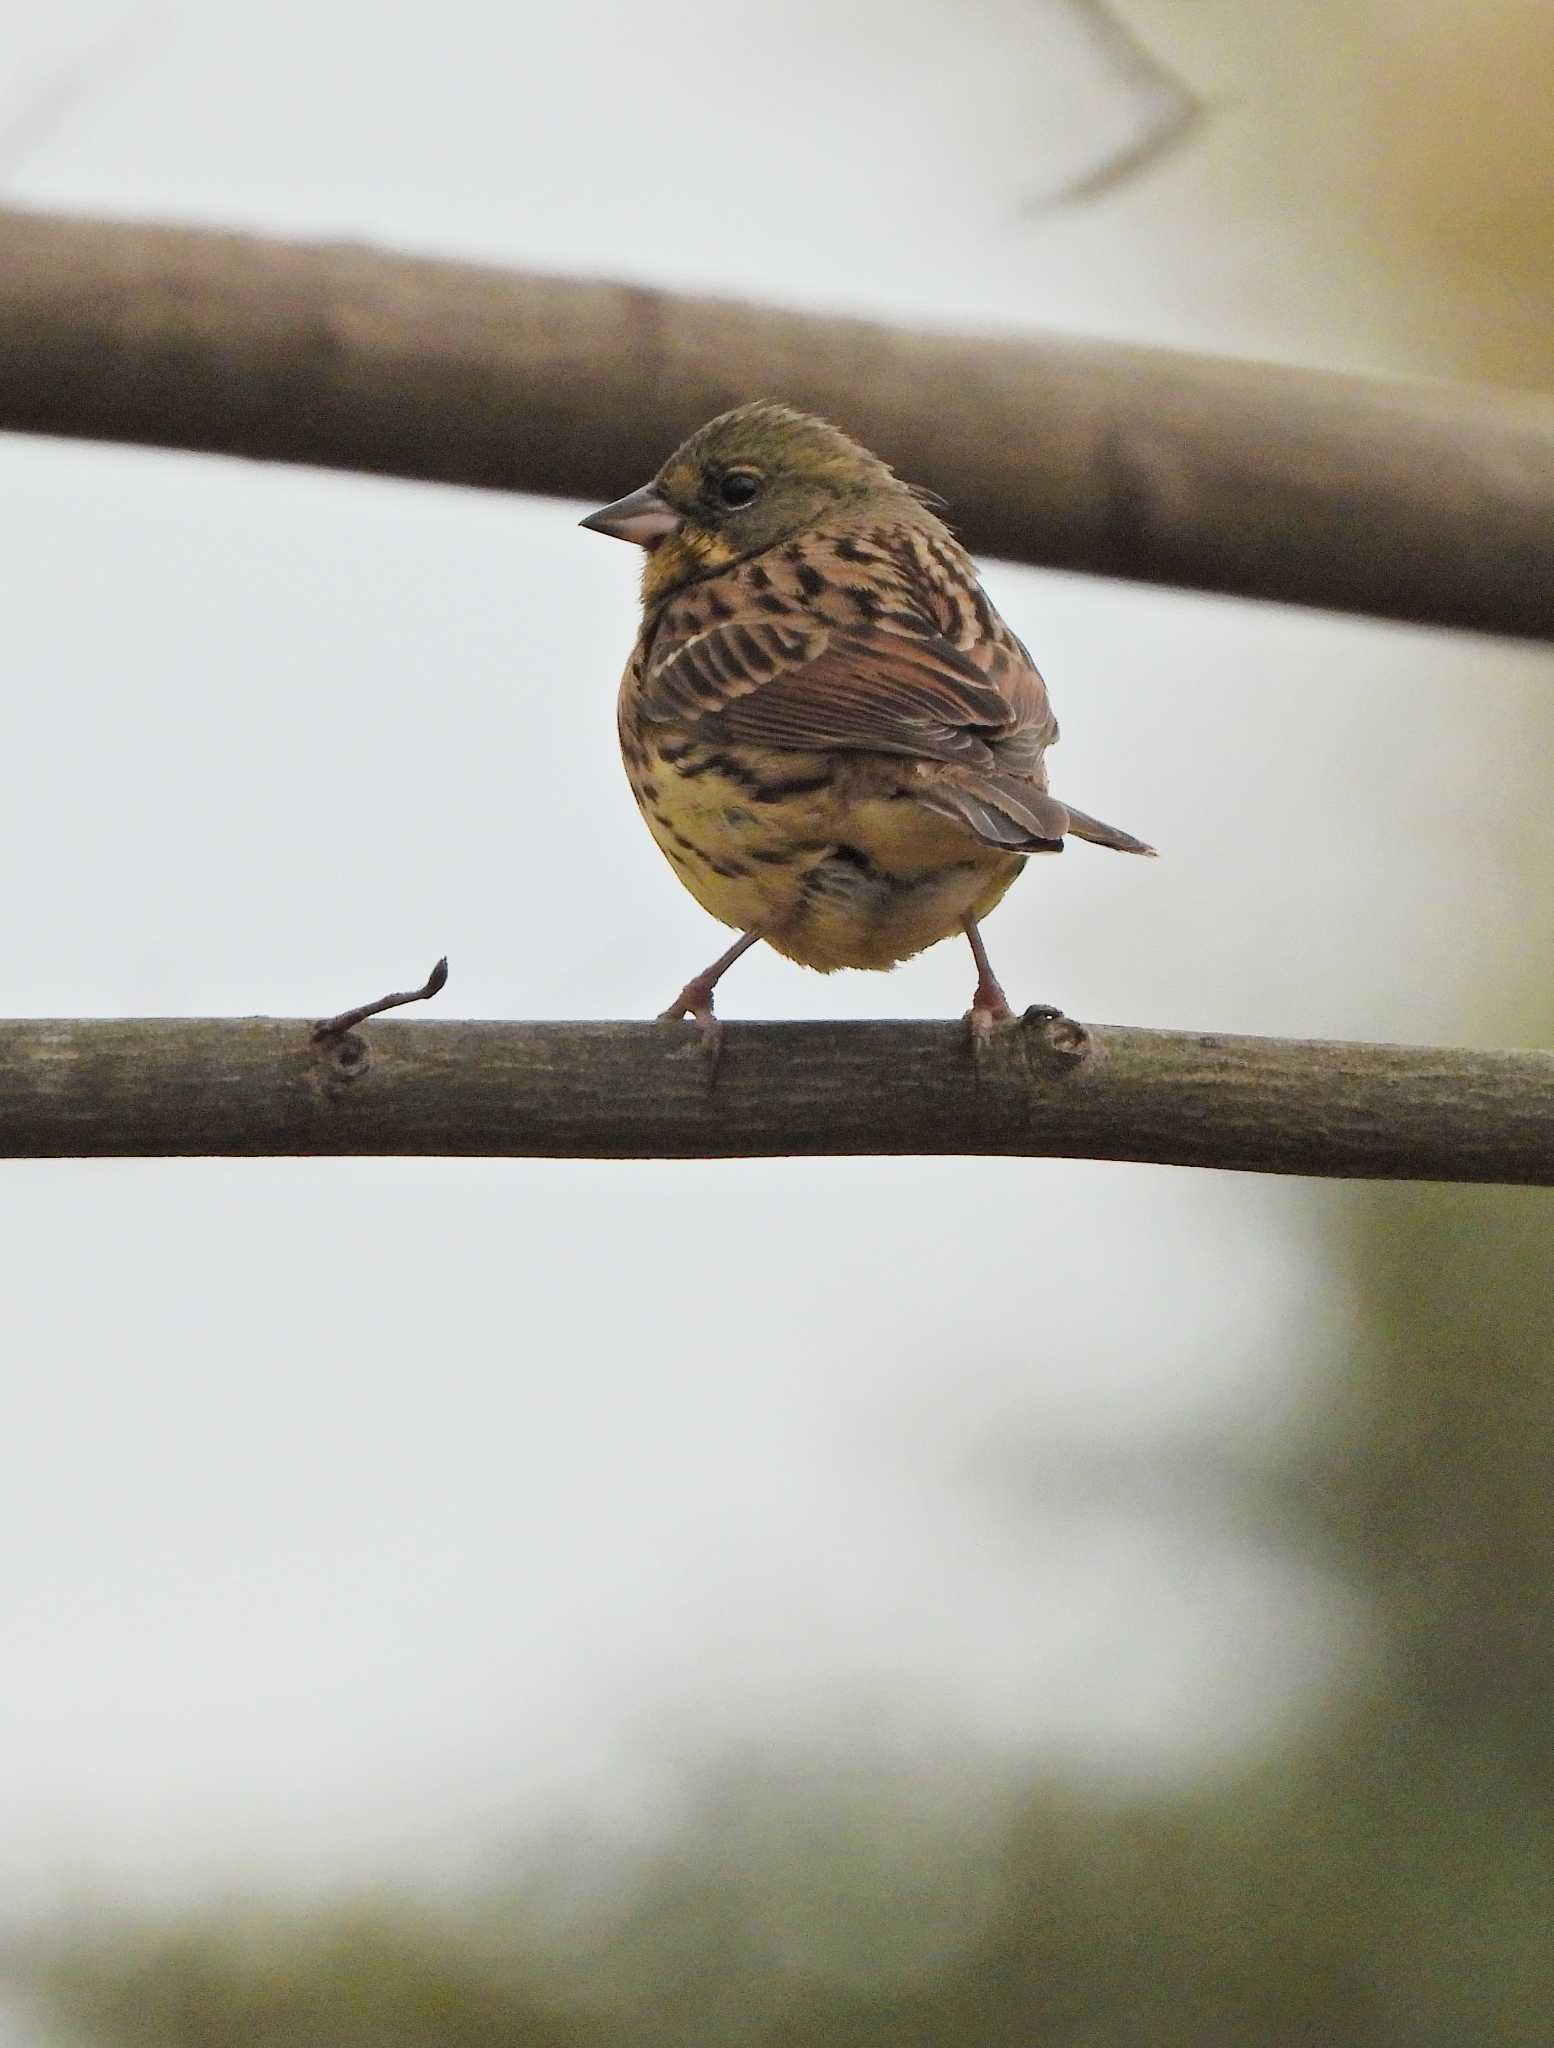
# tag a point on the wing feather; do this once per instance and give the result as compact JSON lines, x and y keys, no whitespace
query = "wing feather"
{"x":883,"y":645}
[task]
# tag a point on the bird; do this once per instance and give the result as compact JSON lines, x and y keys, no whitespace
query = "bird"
{"x":832,"y":735}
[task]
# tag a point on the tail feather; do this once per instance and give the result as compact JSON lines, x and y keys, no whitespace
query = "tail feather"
{"x":1085,"y":827}
{"x":1003,"y":810}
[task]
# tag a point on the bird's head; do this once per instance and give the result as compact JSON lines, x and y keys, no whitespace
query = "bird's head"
{"x":741,"y":484}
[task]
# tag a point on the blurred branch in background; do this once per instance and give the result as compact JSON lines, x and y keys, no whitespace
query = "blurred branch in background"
{"x":1431,"y":503}
{"x":1045,"y":1087}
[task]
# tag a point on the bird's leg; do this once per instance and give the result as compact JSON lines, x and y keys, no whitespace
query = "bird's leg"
{"x":695,"y":999}
{"x":989,"y":1006}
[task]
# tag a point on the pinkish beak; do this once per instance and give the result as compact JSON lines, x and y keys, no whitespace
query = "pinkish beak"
{"x":644,"y":517}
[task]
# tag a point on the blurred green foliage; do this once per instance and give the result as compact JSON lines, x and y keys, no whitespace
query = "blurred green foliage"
{"x":1388,"y":1885}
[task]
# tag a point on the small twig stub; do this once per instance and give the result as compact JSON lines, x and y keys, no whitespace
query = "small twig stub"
{"x":335,"y":1027}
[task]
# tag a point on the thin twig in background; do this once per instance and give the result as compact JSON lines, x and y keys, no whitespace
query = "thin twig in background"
{"x":1167,"y":109}
{"x":84,"y":77}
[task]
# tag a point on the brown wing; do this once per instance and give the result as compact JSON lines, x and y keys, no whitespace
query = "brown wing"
{"x":819,"y":687}
{"x":881,"y":641}
{"x":877,"y":637}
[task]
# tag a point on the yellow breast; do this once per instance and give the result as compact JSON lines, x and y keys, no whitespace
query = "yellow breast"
{"x":834,"y":874}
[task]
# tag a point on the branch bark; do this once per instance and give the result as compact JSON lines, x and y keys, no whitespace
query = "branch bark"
{"x":1421,"y":502}
{"x":1047,"y":1087}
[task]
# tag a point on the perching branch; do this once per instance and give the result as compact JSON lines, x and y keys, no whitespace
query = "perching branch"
{"x":1046,"y":1087}
{"x":1411,"y":501}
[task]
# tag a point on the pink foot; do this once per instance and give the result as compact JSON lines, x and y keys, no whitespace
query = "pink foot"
{"x":989,"y":1006}
{"x":695,"y":1001}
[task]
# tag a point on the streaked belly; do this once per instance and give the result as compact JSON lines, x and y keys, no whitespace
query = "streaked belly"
{"x":834,"y":879}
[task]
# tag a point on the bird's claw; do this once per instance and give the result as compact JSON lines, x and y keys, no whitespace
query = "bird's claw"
{"x":989,"y":1006}
{"x":695,"y":1001}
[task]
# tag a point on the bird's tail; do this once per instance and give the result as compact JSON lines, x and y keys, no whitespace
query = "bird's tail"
{"x":1000,"y":810}
{"x":1006,"y":811}
{"x":1085,"y":827}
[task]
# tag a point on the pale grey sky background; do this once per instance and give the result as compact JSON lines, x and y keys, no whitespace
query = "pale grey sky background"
{"x":372,"y":1510}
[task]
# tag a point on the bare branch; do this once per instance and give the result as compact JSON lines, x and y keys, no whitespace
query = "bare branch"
{"x":1045,"y":1087}
{"x":1419,"y":501}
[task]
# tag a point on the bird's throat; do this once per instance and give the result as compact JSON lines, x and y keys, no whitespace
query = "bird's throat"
{"x":680,"y":557}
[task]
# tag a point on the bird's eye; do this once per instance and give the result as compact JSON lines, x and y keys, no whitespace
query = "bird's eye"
{"x":738,"y":487}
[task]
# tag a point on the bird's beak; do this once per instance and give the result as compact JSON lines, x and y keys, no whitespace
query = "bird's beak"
{"x":644,"y":517}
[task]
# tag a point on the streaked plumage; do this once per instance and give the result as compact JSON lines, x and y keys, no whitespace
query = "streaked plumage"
{"x":831,"y":733}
